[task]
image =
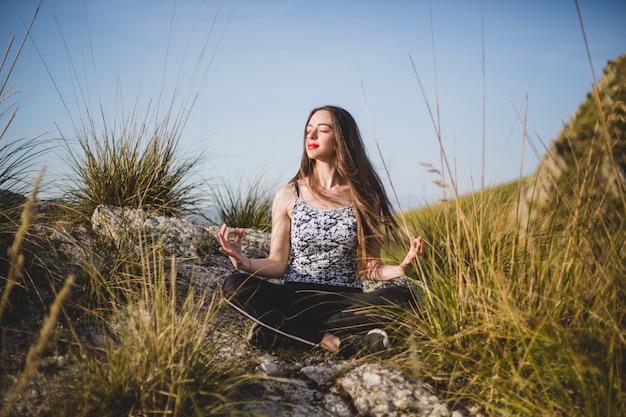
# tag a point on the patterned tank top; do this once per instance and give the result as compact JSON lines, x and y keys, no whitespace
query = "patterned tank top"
{"x":323,"y":246}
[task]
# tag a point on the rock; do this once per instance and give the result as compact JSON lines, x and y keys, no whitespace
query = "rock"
{"x":270,"y":365}
{"x":171,"y":235}
{"x":322,"y":375}
{"x":337,"y":406}
{"x":378,"y":390}
{"x":174,"y":236}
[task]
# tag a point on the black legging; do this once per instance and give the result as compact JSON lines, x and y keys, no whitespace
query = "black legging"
{"x":307,"y":311}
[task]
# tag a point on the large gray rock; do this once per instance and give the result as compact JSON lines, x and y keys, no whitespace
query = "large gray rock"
{"x":380,"y":391}
{"x":173,"y":235}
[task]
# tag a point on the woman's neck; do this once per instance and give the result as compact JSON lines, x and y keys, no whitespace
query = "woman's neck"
{"x":326,"y":177}
{"x":325,"y":188}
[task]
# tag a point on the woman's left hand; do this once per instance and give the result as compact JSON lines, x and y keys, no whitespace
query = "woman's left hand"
{"x":416,"y":249}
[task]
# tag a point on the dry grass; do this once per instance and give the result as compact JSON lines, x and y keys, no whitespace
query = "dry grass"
{"x":524,"y":314}
{"x":162,"y":358}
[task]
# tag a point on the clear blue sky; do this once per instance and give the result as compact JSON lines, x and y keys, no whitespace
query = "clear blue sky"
{"x":268,"y":63}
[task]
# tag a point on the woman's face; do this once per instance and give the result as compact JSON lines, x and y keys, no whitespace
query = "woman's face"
{"x":320,"y":136}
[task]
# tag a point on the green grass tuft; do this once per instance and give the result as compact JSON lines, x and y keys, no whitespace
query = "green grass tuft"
{"x":249,"y":207}
{"x":131,"y":166}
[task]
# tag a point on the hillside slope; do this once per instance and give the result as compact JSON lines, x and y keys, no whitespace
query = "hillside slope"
{"x":582,"y":177}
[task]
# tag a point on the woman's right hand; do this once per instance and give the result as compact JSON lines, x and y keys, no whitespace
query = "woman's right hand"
{"x":230,"y":246}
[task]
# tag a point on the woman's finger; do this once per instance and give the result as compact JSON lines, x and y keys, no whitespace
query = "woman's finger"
{"x":222,"y":233}
{"x":420,"y":245}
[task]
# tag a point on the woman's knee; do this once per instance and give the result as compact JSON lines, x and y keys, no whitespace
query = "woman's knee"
{"x":398,"y":295}
{"x":233,"y":283}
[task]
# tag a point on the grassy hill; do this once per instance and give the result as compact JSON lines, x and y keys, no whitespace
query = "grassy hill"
{"x":524,"y":284}
{"x":582,"y":177}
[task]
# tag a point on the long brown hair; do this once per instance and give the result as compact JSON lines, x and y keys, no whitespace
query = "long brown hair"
{"x":374,"y":215}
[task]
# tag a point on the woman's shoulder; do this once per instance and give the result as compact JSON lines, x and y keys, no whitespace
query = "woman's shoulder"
{"x":285,"y":197}
{"x":286,"y":191}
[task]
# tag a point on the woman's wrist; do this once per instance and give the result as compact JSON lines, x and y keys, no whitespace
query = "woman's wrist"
{"x":245,"y":265}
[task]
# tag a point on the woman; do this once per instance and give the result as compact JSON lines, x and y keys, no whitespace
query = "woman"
{"x":328,"y":226}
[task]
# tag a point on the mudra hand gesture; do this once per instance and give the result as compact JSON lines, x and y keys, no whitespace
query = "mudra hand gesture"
{"x":230,"y":244}
{"x":415,"y":251}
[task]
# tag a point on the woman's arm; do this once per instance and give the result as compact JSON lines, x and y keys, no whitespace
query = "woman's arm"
{"x":378,"y":271}
{"x":275,"y":264}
